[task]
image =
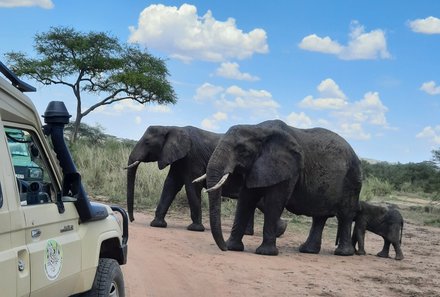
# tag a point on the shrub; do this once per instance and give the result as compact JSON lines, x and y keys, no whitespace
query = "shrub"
{"x":374,"y":187}
{"x":103,"y":174}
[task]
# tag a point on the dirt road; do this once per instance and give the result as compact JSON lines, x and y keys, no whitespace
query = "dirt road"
{"x":176,"y":262}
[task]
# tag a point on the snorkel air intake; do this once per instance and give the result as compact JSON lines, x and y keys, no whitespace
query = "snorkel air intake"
{"x":56,"y":117}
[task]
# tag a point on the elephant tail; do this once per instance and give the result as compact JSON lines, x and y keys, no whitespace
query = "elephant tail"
{"x":338,"y":232}
{"x":401,"y":232}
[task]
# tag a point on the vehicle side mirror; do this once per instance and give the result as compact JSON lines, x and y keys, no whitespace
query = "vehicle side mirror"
{"x":71,"y":184}
{"x":34,"y":151}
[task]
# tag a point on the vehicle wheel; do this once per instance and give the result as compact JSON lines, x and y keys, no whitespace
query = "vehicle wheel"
{"x":109,"y":281}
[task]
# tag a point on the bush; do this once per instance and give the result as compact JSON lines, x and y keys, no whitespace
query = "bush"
{"x":374,"y":187}
{"x":103,"y":174}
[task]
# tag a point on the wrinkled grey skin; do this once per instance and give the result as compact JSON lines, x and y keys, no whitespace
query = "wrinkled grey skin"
{"x":187,"y":151}
{"x":384,"y":221}
{"x":312,"y":172}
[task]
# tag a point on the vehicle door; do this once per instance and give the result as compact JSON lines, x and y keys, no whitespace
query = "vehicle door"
{"x":14,"y":254}
{"x":51,"y":235}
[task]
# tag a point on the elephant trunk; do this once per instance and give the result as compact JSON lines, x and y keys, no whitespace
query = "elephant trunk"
{"x":216,"y":170}
{"x":131,"y":178}
{"x":215,"y":217}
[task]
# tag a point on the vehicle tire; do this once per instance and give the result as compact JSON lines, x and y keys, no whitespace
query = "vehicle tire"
{"x":109,"y":281}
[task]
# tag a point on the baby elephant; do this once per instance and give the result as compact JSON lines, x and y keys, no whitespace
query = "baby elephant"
{"x":383,"y":221}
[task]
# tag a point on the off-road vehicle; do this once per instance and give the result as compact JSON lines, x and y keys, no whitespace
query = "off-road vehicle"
{"x":54,"y":241}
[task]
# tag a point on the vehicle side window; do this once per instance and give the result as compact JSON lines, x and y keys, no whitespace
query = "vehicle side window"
{"x":1,"y":196}
{"x":32,"y":174}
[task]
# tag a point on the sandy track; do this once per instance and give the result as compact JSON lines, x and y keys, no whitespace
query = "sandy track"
{"x":176,"y":262}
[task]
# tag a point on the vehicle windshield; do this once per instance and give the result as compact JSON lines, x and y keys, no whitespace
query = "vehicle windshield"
{"x":19,"y":149}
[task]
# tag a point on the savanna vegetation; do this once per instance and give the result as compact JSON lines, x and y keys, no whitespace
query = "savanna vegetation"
{"x":101,"y":159}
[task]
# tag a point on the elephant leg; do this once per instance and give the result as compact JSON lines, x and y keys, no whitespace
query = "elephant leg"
{"x":250,"y":225}
{"x":172,"y":185}
{"x":281,"y":224}
{"x":359,"y":235}
{"x":245,"y":208}
{"x":273,"y":208}
{"x":313,"y":242}
{"x":399,"y":253}
{"x":345,"y":247}
{"x":385,"y":252}
{"x":193,"y":192}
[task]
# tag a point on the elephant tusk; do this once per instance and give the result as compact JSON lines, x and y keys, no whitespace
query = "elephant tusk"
{"x":136,"y":163}
{"x":200,"y":178}
{"x":219,"y":184}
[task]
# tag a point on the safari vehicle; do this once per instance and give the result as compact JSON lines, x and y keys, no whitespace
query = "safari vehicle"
{"x":54,"y":241}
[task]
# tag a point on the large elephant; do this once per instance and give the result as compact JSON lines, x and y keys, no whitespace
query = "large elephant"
{"x":312,"y":172}
{"x":187,"y":150}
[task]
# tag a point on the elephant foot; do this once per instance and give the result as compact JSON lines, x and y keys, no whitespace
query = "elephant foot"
{"x":249,"y":231}
{"x":383,"y":254}
{"x":267,"y":250}
{"x":159,"y":223}
{"x":309,"y":248}
{"x":281,"y":227}
{"x":344,"y":250}
{"x":360,"y":253}
{"x":196,"y":227}
{"x":399,"y":257}
{"x":234,"y":245}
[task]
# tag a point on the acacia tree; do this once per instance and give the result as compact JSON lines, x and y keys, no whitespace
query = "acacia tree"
{"x":436,"y":157}
{"x":95,"y":63}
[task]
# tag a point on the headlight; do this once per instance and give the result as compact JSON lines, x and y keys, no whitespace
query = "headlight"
{"x":35,"y":173}
{"x":116,"y":218}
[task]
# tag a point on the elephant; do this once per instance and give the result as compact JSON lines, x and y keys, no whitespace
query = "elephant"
{"x":187,"y":151}
{"x":384,"y":221}
{"x":312,"y":172}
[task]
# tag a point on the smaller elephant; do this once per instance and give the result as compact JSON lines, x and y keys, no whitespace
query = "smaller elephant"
{"x":384,"y":221}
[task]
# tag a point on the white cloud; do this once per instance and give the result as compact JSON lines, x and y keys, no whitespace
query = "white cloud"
{"x":429,"y":25}
{"x":329,"y":88}
{"x":46,"y":4}
{"x":236,"y":103}
{"x":232,"y":71}
{"x":325,"y":45}
{"x":322,"y":103}
{"x":370,"y":109}
{"x":354,"y":131}
{"x":207,"y":91}
{"x":299,"y":120}
{"x":138,"y":120}
{"x":331,"y":97}
{"x":185,"y":35}
{"x":131,"y":105}
{"x":212,"y":123}
{"x":430,"y":87}
{"x":431,"y":133}
{"x":361,"y":45}
{"x":351,"y":119}
{"x":256,"y":101}
{"x":158,"y":108}
{"x":128,"y":105}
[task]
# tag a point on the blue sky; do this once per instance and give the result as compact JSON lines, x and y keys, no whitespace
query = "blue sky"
{"x":368,"y":70}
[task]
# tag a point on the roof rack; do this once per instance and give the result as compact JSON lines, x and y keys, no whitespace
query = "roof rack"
{"x":16,"y":82}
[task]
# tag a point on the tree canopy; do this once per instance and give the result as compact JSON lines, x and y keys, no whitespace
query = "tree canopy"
{"x":423,"y":176}
{"x":436,"y":157}
{"x":95,"y":63}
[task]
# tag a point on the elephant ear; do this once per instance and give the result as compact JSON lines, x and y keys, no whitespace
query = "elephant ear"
{"x":281,"y":158}
{"x":176,"y":146}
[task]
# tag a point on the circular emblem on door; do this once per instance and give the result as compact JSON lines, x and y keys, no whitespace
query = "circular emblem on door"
{"x":53,"y":259}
